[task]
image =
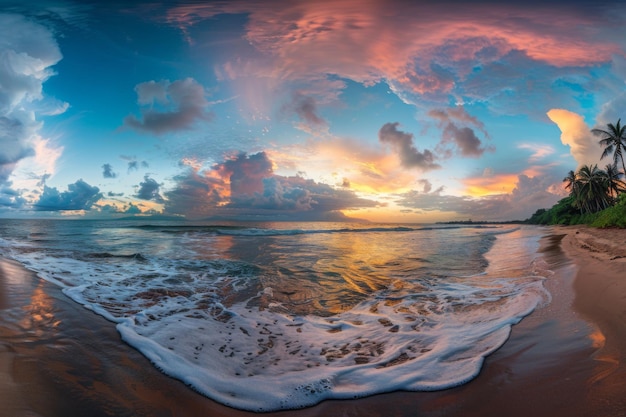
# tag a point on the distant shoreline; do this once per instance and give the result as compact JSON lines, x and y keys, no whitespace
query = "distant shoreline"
{"x":482,"y":222}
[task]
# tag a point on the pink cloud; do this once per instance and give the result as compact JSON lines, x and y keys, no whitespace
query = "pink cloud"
{"x":418,"y":48}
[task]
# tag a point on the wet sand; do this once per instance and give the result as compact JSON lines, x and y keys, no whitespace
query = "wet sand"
{"x":566,"y":359}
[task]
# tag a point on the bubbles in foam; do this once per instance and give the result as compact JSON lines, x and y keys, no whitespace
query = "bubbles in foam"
{"x":249,"y":334}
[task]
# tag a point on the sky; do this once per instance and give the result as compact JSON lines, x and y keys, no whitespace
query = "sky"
{"x":388,"y":111}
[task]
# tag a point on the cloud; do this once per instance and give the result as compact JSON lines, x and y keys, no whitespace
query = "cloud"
{"x":28,"y":51}
{"x":457,"y":114}
{"x":368,"y":168}
{"x":613,"y":109}
{"x":245,"y":186}
{"x":576,"y":134}
{"x":426,"y":185}
{"x":278,"y":194}
{"x":107,"y":171}
{"x":300,"y":194}
{"x":528,"y":194}
{"x":149,"y":190}
{"x":79,"y":196}
{"x":133,"y":164}
{"x":464,"y":138}
{"x":196,"y":193}
{"x":306,"y":109}
{"x":11,"y":198}
{"x":169,"y":106}
{"x":246,"y":173}
{"x":539,"y":151}
{"x":453,"y":51}
{"x":132,"y":209}
{"x":402,"y":143}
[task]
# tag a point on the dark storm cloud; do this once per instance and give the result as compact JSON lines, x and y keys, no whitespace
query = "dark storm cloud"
{"x":169,"y":107}
{"x":402,"y":143}
{"x":107,"y":171}
{"x":149,"y":190}
{"x":79,"y":196}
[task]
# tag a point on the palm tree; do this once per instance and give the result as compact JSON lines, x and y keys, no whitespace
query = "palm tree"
{"x":573,"y":185}
{"x":614,"y":183}
{"x":592,"y":190}
{"x":614,"y":142}
{"x":571,"y":180}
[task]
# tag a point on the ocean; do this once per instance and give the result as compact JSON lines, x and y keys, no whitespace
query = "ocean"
{"x":271,"y":316}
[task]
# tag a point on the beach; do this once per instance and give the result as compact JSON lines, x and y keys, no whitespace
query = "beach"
{"x":567,"y":358}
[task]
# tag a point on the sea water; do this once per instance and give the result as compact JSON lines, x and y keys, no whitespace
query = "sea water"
{"x":276,"y":316}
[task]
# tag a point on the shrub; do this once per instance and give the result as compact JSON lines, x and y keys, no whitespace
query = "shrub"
{"x":613,"y":216}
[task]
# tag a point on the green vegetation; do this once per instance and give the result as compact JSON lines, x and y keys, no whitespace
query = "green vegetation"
{"x":597,"y":196}
{"x":613,"y":216}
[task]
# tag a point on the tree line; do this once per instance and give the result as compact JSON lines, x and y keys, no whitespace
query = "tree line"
{"x":596,"y":196}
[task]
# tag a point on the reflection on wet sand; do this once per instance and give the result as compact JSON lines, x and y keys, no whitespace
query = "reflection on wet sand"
{"x":601,"y":298}
{"x":40,"y":317}
{"x":608,"y":362}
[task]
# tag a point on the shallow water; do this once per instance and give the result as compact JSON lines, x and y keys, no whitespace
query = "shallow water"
{"x":273,"y":316}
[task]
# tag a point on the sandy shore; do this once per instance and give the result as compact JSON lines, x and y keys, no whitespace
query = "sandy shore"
{"x":566,"y":359}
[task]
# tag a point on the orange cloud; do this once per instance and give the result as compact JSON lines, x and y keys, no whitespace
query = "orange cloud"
{"x":576,"y":134}
{"x":369,"y":169}
{"x":497,"y":184}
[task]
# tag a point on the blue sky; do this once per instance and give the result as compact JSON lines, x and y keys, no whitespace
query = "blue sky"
{"x":269,"y":110}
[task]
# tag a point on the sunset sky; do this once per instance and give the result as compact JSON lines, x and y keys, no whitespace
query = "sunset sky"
{"x":396,"y":111}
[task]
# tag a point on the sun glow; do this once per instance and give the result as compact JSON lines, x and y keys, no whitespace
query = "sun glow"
{"x":481,"y":186}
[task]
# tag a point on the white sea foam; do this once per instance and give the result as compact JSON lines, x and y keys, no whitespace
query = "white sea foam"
{"x":225,"y":328}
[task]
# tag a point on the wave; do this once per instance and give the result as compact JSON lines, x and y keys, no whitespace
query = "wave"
{"x":104,"y":255}
{"x":289,"y":232}
{"x":239,"y":230}
{"x":266,"y":326}
{"x":183,"y":228}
